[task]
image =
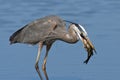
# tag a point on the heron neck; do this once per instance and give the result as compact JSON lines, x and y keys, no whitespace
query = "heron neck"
{"x":70,"y":36}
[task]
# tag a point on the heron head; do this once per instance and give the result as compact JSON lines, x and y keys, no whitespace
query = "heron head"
{"x":80,"y":31}
{"x":83,"y":36}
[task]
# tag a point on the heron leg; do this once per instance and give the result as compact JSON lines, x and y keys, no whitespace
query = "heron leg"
{"x":37,"y":60}
{"x":45,"y":60}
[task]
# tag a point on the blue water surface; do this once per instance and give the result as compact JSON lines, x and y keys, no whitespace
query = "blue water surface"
{"x":101,"y":19}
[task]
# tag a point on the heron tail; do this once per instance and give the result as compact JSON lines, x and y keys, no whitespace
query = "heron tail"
{"x":14,"y":36}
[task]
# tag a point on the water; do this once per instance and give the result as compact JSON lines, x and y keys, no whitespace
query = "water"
{"x":65,"y":61}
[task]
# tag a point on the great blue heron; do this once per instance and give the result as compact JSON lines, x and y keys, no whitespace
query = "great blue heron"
{"x":45,"y":31}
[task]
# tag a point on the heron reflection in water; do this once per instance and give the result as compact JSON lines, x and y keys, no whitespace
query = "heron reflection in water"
{"x":45,"y":31}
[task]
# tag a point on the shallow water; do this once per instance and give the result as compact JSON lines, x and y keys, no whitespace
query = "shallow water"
{"x":65,"y":62}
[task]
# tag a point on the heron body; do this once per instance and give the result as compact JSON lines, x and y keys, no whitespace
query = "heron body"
{"x":45,"y":31}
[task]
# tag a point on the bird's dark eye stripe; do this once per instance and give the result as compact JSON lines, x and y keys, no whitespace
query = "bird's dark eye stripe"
{"x":79,"y":27}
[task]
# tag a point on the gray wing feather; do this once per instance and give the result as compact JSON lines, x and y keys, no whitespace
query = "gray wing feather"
{"x":37,"y":30}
